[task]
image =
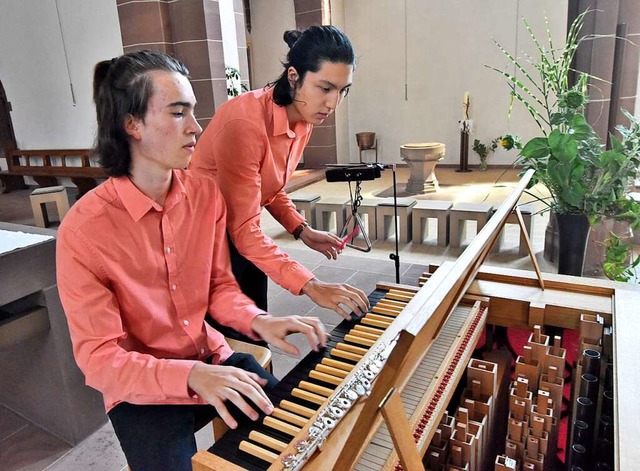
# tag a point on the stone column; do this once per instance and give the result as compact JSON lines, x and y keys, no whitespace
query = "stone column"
{"x":322,"y":148}
{"x":189,"y":29}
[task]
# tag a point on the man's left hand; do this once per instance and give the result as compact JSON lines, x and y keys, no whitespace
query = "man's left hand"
{"x":274,"y":330}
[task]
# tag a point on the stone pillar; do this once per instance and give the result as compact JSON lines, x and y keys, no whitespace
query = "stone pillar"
{"x":241,"y":37}
{"x":613,"y":61}
{"x":322,"y":148}
{"x":189,"y":29}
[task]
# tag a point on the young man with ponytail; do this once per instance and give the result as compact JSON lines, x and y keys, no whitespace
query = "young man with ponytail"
{"x":252,"y":147}
{"x":142,"y":259}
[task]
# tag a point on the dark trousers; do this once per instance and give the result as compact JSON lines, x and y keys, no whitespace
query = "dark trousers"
{"x":253,"y":282}
{"x":161,"y":437}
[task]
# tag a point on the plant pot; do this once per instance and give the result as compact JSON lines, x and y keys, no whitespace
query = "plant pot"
{"x":366,"y":140}
{"x":551,"y":239}
{"x":594,"y":255}
{"x":573,"y":230}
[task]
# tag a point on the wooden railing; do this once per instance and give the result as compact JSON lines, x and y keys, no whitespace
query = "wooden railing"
{"x":46,"y":165}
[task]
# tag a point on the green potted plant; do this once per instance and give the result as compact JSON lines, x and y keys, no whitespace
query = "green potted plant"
{"x":586,"y":183}
{"x":507,"y":142}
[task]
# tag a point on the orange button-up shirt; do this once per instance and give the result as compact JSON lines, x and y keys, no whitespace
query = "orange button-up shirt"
{"x":136,"y":280}
{"x":251,"y":151}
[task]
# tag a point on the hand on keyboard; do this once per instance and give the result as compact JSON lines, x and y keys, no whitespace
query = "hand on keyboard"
{"x":335,"y":295}
{"x":217,"y":383}
{"x":274,"y":330}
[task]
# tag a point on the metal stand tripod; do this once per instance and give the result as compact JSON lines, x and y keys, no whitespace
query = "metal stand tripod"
{"x":356,"y":199}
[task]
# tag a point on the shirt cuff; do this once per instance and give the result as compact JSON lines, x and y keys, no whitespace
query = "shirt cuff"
{"x":248,"y":319}
{"x":291,"y":222}
{"x":174,"y":376}
{"x":298,"y":277}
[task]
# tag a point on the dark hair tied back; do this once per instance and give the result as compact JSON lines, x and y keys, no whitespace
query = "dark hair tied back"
{"x":122,"y":87}
{"x":291,"y":36}
{"x":308,"y":50}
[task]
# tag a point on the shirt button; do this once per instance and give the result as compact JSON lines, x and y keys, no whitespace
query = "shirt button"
{"x":168,"y":249}
{"x":173,"y":287}
{"x":202,"y":351}
{"x":185,"y":322}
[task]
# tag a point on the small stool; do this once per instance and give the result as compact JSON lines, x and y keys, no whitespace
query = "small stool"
{"x":385,"y":212}
{"x":306,"y":205}
{"x":425,"y":209}
{"x":527,"y":212}
{"x":50,"y":194}
{"x":368,"y":207}
{"x":460,"y":213}
{"x":326,"y":208}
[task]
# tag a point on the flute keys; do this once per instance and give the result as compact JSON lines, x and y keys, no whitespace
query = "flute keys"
{"x":336,"y":412}
{"x":300,"y":445}
{"x":344,"y":403}
{"x":328,"y":422}
{"x":288,"y":460}
{"x":351,"y":395}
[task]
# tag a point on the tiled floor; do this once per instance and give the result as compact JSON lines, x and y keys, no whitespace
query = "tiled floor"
{"x":24,"y":446}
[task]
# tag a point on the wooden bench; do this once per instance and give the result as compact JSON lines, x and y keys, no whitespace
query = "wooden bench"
{"x":45,"y":166}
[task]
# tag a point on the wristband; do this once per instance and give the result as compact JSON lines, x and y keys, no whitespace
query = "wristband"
{"x":298,"y":230}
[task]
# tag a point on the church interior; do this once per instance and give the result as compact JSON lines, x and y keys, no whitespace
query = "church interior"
{"x":538,"y":372}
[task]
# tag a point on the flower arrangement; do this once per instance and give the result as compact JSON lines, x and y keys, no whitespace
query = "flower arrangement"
{"x":507,"y":142}
{"x":583,"y":178}
{"x":569,"y":158}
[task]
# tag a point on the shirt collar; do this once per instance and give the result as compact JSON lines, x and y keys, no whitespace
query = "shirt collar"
{"x":281,"y":121}
{"x":138,"y":204}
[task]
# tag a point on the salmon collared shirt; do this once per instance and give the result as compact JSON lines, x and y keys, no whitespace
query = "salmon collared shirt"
{"x":251,"y":151}
{"x":136,"y":280}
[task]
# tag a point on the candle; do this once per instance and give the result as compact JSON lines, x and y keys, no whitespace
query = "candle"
{"x":465,"y":106}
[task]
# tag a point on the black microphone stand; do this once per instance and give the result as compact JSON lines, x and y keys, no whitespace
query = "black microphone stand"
{"x":395,"y":256}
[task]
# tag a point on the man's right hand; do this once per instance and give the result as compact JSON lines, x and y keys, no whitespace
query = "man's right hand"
{"x":217,"y":383}
{"x":335,"y":295}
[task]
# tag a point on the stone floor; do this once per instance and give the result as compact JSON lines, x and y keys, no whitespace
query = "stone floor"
{"x":24,"y":446}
